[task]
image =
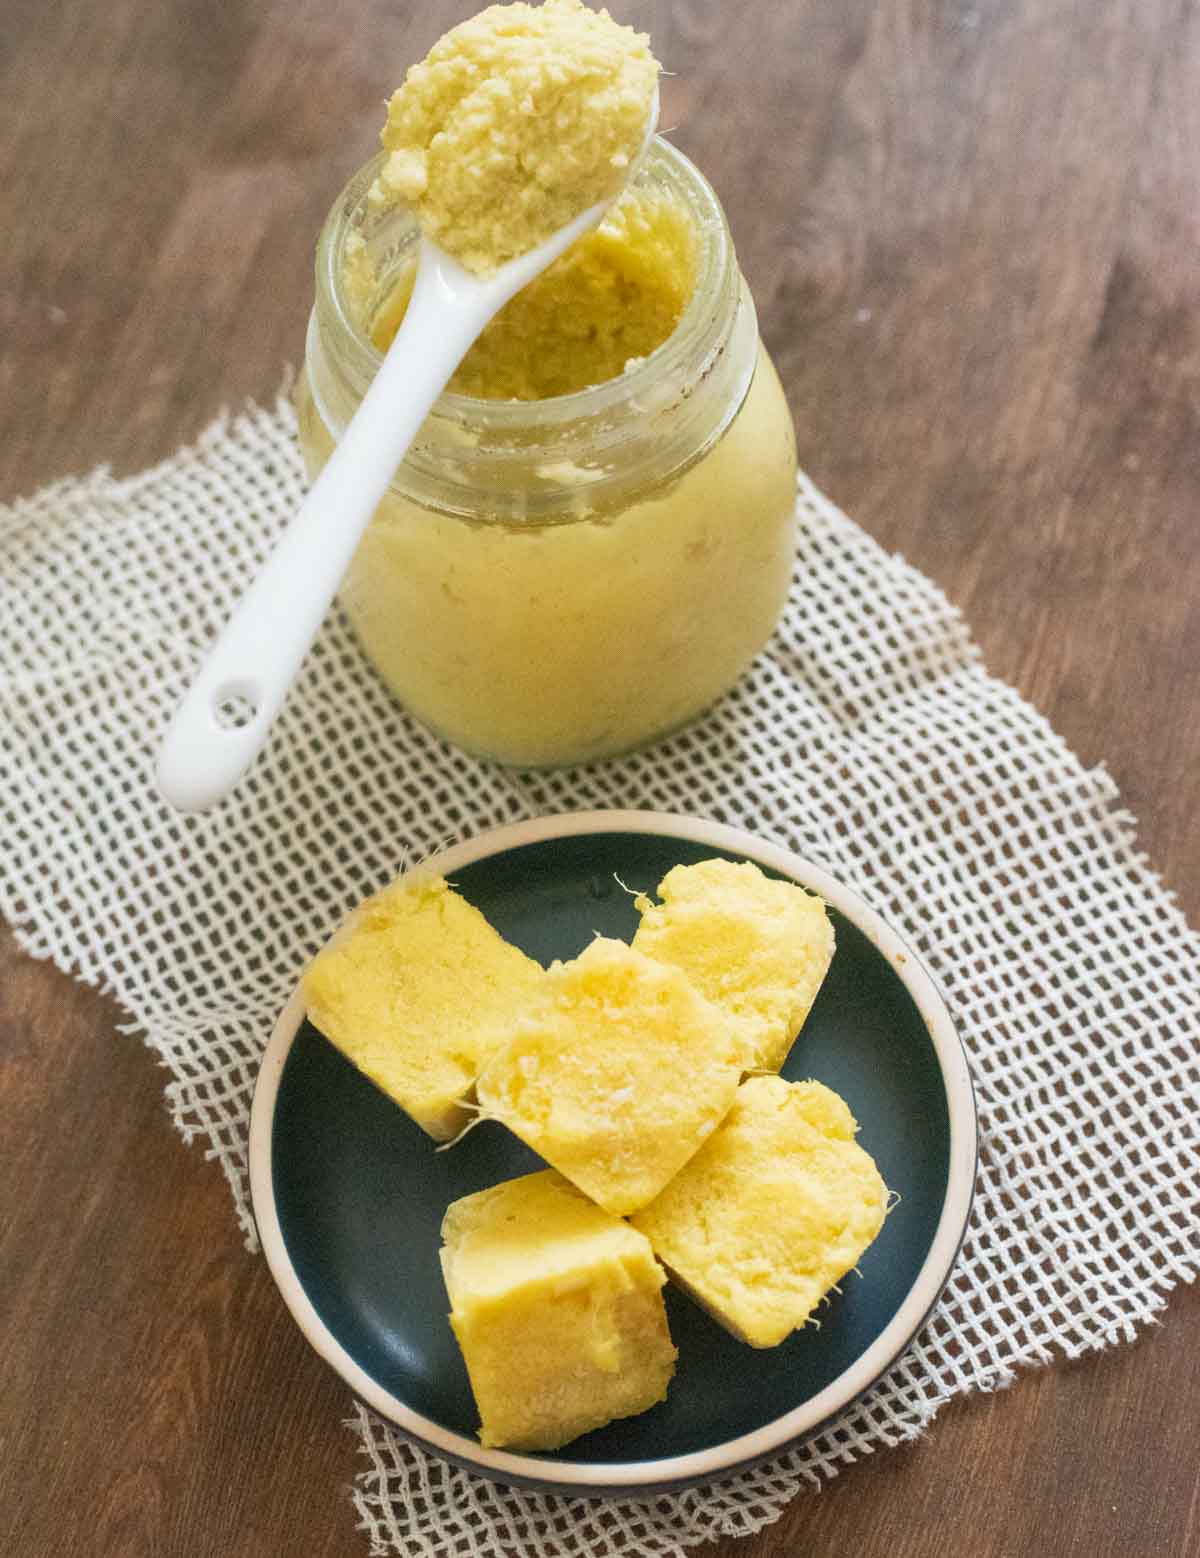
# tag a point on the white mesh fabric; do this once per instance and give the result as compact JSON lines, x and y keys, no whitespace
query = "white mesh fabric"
{"x":868,"y":735}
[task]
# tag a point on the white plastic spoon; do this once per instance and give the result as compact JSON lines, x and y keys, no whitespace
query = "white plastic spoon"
{"x":256,"y":657}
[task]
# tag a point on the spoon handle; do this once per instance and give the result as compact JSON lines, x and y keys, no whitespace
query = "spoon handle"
{"x":226,"y":714}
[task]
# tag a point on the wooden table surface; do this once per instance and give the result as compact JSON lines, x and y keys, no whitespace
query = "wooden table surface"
{"x":972,"y":230}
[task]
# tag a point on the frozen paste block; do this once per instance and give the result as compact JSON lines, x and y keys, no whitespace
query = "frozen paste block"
{"x":756,"y":947}
{"x":771,"y":1212}
{"x":619,"y":1077}
{"x":558,"y":1310}
{"x":415,"y":990}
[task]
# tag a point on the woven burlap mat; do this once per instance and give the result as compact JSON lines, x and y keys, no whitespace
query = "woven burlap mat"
{"x":868,"y":736}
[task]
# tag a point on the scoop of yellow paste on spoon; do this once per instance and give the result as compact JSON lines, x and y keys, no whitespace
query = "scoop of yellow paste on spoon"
{"x":518,"y":120}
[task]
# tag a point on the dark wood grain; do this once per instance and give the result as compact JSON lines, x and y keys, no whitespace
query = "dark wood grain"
{"x":973,"y":232}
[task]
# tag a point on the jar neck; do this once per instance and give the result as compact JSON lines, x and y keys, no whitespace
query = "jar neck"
{"x":554,"y":459}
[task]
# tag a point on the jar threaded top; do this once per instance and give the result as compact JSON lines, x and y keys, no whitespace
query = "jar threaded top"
{"x":568,"y":456}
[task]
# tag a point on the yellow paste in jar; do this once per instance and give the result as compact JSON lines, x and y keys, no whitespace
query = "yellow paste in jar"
{"x":612,"y":299}
{"x":544,"y":644}
{"x":517,"y":121}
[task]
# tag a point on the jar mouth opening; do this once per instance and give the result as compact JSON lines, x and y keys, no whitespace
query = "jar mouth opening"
{"x":664,"y":167}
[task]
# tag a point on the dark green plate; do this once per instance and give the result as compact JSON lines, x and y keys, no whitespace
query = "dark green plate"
{"x":349,"y":1194}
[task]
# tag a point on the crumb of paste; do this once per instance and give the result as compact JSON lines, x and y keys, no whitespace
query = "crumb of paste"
{"x":518,"y":120}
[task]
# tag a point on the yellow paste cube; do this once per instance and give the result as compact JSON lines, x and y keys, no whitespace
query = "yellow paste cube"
{"x":756,"y":947}
{"x":558,"y":1310}
{"x":619,"y":1077}
{"x":771,"y":1212}
{"x":415,"y":990}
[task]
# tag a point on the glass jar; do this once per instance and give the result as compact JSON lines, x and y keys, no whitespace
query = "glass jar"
{"x":553,"y":581}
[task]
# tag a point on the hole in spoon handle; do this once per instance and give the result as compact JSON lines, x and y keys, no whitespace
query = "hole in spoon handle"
{"x":216,"y":733}
{"x":235,"y":706}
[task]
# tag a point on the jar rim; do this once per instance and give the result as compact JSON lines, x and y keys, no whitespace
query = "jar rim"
{"x":714,"y":263}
